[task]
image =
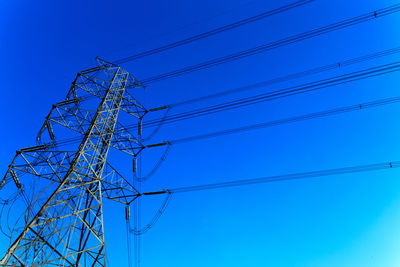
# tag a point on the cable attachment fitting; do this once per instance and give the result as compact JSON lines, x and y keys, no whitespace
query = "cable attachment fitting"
{"x":159,"y":108}
{"x":159,"y":144}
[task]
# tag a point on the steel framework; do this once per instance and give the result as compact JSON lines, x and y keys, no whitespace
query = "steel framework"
{"x":63,"y":221}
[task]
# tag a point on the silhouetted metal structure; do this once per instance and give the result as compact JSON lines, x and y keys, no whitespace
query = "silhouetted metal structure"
{"x":59,"y":193}
{"x":63,"y":221}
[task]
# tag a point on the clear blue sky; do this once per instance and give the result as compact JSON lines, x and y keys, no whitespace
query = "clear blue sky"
{"x":344,"y":220}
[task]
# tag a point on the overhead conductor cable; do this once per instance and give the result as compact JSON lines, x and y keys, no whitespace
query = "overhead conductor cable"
{"x":276,"y":44}
{"x":214,"y":31}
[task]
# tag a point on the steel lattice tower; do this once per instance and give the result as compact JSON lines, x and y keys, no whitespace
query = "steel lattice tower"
{"x":63,"y":224}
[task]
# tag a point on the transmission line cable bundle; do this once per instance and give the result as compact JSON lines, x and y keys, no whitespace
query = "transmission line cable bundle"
{"x":55,"y":190}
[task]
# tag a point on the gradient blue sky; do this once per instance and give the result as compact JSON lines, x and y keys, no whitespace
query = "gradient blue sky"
{"x":346,"y":220}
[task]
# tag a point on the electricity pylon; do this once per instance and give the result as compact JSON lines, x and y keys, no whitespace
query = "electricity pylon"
{"x":63,"y":221}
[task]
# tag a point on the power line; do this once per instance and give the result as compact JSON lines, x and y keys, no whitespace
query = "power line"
{"x":199,"y":21}
{"x":277,"y":94}
{"x":276,"y":44}
{"x":279,"y":178}
{"x":293,"y":76}
{"x":203,"y":35}
{"x":79,"y":180}
{"x":314,"y":115}
{"x":320,"y":114}
{"x":273,"y":95}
